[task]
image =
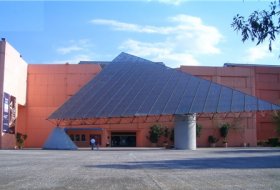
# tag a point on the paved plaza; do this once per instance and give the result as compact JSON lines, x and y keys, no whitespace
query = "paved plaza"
{"x":207,"y":168}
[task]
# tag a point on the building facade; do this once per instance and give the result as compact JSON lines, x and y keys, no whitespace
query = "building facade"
{"x":37,"y":90}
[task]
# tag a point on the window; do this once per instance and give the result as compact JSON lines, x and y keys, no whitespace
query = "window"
{"x":77,"y":137}
{"x":72,"y":137}
{"x":83,"y":137}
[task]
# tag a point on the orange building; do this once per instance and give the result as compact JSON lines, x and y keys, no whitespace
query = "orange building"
{"x":40,"y":89}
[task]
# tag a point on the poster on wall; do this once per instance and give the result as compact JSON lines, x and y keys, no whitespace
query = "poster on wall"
{"x":9,"y":113}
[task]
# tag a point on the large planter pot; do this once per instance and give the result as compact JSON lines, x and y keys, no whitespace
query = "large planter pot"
{"x":153,"y":144}
{"x":225,"y":145}
{"x":213,"y":145}
{"x":165,"y":145}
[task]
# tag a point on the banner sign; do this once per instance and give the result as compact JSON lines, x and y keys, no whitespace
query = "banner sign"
{"x":9,"y":113}
{"x":6,"y":118}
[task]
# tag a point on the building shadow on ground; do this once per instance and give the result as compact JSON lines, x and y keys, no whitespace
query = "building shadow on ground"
{"x":261,"y":162}
{"x":249,"y":151}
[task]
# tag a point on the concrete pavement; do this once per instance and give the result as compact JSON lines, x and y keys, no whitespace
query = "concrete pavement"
{"x":109,"y":168}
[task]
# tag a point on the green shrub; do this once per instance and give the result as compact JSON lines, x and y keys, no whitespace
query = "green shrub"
{"x":156,"y":131}
{"x":171,"y":138}
{"x":224,"y":131}
{"x":276,"y":120}
{"x":166,"y":133}
{"x":212,"y":139}
{"x":198,"y":130}
{"x":20,"y":138}
{"x":273,"y":142}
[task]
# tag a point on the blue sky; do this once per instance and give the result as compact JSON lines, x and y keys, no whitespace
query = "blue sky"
{"x":173,"y":31}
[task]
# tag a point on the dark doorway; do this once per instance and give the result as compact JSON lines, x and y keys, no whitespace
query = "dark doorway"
{"x":123,"y":139}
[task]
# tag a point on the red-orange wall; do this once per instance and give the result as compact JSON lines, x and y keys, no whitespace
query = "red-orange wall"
{"x":49,"y":86}
{"x":267,"y":88}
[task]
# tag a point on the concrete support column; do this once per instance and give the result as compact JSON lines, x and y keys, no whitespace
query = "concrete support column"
{"x":185,"y":132}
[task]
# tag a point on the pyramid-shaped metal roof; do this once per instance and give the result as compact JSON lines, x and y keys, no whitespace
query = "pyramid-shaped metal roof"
{"x":132,"y":86}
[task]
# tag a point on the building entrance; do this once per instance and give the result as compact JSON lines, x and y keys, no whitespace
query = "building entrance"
{"x":123,"y":139}
{"x":82,"y":137}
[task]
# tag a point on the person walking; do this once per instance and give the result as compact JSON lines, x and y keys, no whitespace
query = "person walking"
{"x":92,"y":143}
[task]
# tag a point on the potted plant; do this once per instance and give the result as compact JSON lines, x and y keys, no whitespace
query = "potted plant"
{"x":224,"y":132}
{"x":273,"y":142}
{"x":171,"y":138}
{"x":155,"y":133}
{"x":198,"y":130}
{"x":20,"y":138}
{"x":166,"y":133}
{"x":276,"y":120}
{"x":212,"y":140}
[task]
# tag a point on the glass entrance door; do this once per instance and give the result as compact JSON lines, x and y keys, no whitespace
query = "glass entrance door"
{"x":123,"y":139}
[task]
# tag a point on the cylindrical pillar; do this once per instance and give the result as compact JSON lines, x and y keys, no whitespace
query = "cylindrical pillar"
{"x":185,"y":132}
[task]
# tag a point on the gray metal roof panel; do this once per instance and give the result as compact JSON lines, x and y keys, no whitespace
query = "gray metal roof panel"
{"x":120,"y":91}
{"x":126,"y":58}
{"x":188,"y":96}
{"x":165,"y":94}
{"x":110,"y":90}
{"x":238,"y":101}
{"x":132,"y":86}
{"x":251,"y":103}
{"x":200,"y":97}
{"x":225,"y":100}
{"x":98,"y":98}
{"x":177,"y":94}
{"x":212,"y":98}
